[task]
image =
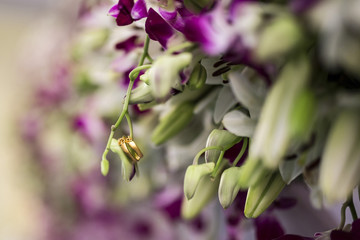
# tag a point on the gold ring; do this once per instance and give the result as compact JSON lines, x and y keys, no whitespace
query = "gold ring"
{"x":130,"y":148}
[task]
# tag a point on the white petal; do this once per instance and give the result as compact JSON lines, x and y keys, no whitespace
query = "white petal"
{"x":239,"y":124}
{"x":224,"y":103}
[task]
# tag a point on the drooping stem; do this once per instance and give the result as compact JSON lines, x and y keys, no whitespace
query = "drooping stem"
{"x":242,"y":151}
{"x":349,"y":203}
{"x":130,"y":124}
{"x":133,"y":75}
{"x":343,"y":216}
{"x":196,"y":159}
{"x":352,"y":208}
{"x":218,"y":164}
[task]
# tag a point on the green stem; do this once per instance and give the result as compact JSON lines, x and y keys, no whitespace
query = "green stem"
{"x":130,"y":124}
{"x":343,"y":216}
{"x":352,"y":208}
{"x":242,"y":151}
{"x":133,"y":75}
{"x":218,"y":164}
{"x":196,"y":159}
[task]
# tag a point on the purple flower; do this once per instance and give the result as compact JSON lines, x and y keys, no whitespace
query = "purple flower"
{"x":354,"y":233}
{"x":127,"y":12}
{"x":129,"y":44}
{"x":157,"y":28}
{"x":268,"y":227}
{"x":210,"y":31}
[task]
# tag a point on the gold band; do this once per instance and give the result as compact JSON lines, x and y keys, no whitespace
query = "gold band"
{"x":130,"y":148}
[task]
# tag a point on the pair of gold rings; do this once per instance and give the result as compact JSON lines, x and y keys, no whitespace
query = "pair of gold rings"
{"x":130,"y":148}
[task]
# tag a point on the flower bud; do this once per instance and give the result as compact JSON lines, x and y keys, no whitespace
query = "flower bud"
{"x":279,"y":38}
{"x":164,"y":73}
{"x":261,"y":195}
{"x":206,"y":191}
{"x":127,"y":165}
{"x":220,"y":138}
{"x":302,"y":115}
{"x":340,"y":166}
{"x":229,"y":186}
{"x":274,"y":135}
{"x":197,"y":77}
{"x":141,"y":94}
{"x":252,"y":172}
{"x":104,"y":167}
{"x":172,"y":123}
{"x":193,"y":175}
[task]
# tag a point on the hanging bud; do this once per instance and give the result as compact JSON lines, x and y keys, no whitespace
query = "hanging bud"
{"x":274,"y":135}
{"x":229,"y":186}
{"x":205,"y":192}
{"x":141,"y":94}
{"x":340,"y":166}
{"x":197,"y":77}
{"x":128,"y":167}
{"x":220,"y":138}
{"x":104,"y":167}
{"x":172,"y":123}
{"x":261,"y":195}
{"x":193,"y":175}
{"x":164,"y":73}
{"x":303,"y":114}
{"x":252,"y":172}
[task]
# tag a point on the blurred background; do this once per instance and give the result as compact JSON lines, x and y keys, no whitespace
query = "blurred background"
{"x":67,"y":201}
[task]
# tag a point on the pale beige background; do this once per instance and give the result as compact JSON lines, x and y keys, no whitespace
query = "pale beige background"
{"x":19,"y":205}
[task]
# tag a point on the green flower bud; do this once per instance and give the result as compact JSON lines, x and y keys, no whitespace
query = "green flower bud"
{"x":302,"y":115}
{"x":274,"y":135}
{"x":104,"y":167}
{"x":145,"y":77}
{"x":172,"y":123}
{"x":261,"y":195}
{"x":206,"y":192}
{"x":252,"y":172}
{"x":279,"y":38}
{"x":193,"y":175}
{"x":163,"y":75}
{"x":229,"y":186}
{"x":340,"y":165}
{"x":127,"y":165}
{"x":220,"y":138}
{"x":141,"y":94}
{"x":197,"y":77}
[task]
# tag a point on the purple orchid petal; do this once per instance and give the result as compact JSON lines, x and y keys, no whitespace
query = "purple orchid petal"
{"x":174,"y":19}
{"x":356,"y":228}
{"x":157,"y":28}
{"x":268,"y":227}
{"x":124,"y":16}
{"x":114,"y":11}
{"x":139,"y":10}
{"x":293,"y":237}
{"x":128,"y":44}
